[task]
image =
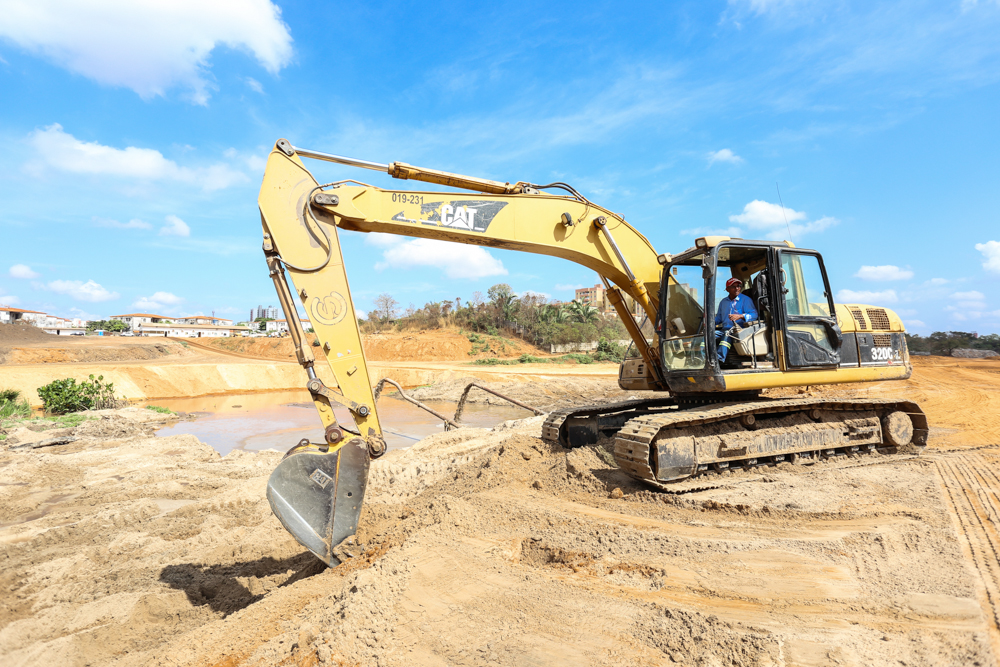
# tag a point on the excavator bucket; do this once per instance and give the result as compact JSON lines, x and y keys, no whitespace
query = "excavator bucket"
{"x":317,"y":496}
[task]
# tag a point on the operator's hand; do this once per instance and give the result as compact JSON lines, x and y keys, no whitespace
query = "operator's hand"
{"x":735,"y":317}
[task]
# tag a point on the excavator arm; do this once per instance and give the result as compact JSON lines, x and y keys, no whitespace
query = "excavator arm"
{"x":318,"y":488}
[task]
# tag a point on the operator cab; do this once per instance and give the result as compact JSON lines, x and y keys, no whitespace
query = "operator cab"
{"x":796,"y":326}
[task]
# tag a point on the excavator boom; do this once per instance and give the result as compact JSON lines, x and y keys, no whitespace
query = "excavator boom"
{"x":318,"y":488}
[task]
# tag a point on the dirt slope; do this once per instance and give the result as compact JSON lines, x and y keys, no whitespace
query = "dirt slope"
{"x":434,"y":345}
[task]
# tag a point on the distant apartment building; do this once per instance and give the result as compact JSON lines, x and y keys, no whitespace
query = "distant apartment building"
{"x":270,"y":313}
{"x":597,"y":297}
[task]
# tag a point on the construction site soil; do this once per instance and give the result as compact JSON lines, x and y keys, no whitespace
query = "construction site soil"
{"x":432,"y":345}
{"x":490,"y":547}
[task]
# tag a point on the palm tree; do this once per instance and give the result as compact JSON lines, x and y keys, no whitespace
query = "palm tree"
{"x":582,"y":312}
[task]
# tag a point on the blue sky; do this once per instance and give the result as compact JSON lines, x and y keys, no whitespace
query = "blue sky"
{"x":136,"y":133}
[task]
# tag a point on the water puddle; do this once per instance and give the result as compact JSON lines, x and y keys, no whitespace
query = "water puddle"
{"x":278,"y":420}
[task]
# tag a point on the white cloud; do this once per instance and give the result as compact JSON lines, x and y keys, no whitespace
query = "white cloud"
{"x":777,"y":222}
{"x":83,"y":314}
{"x":968,"y":5}
{"x":134,"y":223}
{"x":22,"y":271}
{"x":159,"y":302}
{"x":991,"y":252}
{"x":915,"y":324}
{"x":254,"y":85}
{"x":711,"y":231}
{"x":724,"y":155}
{"x":149,"y":47}
{"x":765,"y":6}
{"x":380,"y":240}
{"x":175,"y":227}
{"x":966,"y":306}
{"x":8,"y":300}
{"x":456,"y":260}
{"x":82,"y":291}
{"x":867,"y":297}
{"x":61,"y":151}
{"x":936,"y":282}
{"x":883,"y":273}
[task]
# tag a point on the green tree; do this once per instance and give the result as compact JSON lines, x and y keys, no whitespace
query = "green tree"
{"x":582,"y":312}
{"x":503,"y":300}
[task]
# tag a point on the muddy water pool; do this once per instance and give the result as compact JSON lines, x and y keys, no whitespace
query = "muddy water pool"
{"x":279,"y":420}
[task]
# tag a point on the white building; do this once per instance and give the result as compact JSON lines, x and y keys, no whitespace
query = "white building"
{"x":281,"y":326}
{"x":204,"y":319}
{"x":133,"y":320}
{"x":11,"y":315}
{"x":52,"y":324}
{"x":182,"y":330}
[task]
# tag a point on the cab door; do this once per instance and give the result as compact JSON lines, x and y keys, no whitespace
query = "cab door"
{"x":811,"y":335}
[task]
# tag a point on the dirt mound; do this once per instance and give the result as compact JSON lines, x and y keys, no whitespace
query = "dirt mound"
{"x":18,"y":333}
{"x":974,"y":354}
{"x":556,"y":392}
{"x":21,"y":332}
{"x":91,"y":353}
{"x":434,"y":345}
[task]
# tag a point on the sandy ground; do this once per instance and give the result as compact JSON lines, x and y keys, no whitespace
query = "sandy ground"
{"x":488,"y":547}
{"x":432,"y":345}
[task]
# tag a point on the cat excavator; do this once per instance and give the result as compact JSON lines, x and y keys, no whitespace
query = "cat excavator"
{"x":710,"y":416}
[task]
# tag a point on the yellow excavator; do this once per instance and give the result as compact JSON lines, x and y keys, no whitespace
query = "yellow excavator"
{"x":712,"y":416}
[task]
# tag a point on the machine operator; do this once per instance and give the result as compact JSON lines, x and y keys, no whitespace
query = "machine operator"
{"x":735,"y":311}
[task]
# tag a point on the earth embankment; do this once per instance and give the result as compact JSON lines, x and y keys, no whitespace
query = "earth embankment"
{"x":431,"y":345}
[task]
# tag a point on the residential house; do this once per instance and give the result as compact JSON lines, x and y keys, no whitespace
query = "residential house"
{"x":133,"y":320}
{"x":281,"y":326}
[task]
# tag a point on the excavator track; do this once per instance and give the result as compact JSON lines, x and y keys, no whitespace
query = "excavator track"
{"x":681,"y":448}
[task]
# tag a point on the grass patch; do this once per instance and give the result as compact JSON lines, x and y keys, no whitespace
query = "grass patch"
{"x":161,"y":410}
{"x":529,"y":359}
{"x":71,"y":420}
{"x":490,"y":343}
{"x":12,"y":406}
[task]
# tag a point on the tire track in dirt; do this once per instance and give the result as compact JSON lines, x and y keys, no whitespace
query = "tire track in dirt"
{"x":971,"y":487}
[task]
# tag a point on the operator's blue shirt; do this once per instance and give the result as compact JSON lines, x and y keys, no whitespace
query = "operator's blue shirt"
{"x":742,"y":305}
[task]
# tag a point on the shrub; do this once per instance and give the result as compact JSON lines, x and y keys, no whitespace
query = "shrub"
{"x":579,"y":358}
{"x":11,"y":408}
{"x":161,"y":410}
{"x":608,"y":350}
{"x":62,"y":396}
